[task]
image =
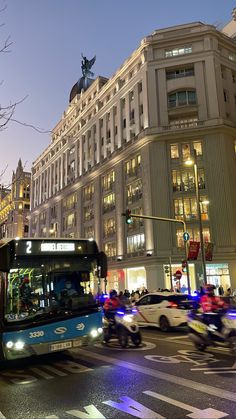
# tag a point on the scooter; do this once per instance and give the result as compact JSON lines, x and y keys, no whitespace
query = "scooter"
{"x":204,"y":333}
{"x":121,"y":324}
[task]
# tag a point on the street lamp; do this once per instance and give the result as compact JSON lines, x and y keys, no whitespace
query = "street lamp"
{"x":199,"y":213}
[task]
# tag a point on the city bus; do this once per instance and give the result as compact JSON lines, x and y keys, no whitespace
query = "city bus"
{"x":47,"y":289}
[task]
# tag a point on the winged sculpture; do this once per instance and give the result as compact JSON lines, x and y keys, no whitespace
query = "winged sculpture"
{"x":86,"y":65}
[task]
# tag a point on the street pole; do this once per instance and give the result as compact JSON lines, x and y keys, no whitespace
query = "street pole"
{"x":171,"y":220}
{"x":171,"y":283}
{"x":199,"y":213}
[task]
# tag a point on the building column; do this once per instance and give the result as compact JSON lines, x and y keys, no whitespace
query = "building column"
{"x":120,"y":222}
{"x":155,"y":277}
{"x":136,"y":110}
{"x":112,"y":130}
{"x":127,"y":116}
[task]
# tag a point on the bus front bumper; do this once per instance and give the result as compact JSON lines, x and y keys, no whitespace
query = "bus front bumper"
{"x":21,"y":350}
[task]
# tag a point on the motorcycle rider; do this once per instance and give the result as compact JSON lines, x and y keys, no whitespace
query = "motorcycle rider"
{"x":113,"y":302}
{"x":210,"y":306}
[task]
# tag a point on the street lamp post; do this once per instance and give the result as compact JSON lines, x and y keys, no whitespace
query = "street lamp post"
{"x":199,"y":214}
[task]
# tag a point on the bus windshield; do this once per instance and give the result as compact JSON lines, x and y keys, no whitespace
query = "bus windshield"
{"x":50,"y":288}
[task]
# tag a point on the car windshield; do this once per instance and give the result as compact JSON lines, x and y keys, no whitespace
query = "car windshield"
{"x":33,"y":293}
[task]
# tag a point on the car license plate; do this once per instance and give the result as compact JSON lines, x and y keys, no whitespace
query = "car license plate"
{"x":61,"y":345}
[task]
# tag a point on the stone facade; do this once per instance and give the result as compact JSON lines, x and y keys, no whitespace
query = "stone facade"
{"x":123,"y":143}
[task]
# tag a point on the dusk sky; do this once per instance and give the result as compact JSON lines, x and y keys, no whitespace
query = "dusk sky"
{"x":44,"y":62}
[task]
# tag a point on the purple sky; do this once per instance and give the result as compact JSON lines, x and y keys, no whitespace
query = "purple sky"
{"x":45,"y":58}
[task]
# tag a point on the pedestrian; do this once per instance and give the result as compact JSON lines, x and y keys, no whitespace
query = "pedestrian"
{"x":228,"y":292}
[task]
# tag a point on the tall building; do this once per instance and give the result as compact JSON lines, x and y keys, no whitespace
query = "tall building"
{"x":15,"y":205}
{"x":123,"y":143}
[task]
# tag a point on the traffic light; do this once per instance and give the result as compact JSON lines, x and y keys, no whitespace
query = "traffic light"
{"x":128,"y":218}
{"x":167,"y":269}
{"x":184,"y":266}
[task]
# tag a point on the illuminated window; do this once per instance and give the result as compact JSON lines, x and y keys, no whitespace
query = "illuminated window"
{"x":134,"y":191}
{"x":178,"y":51}
{"x":109,"y":203}
{"x":174,"y":151}
{"x":198,"y":147}
{"x":135,"y":243}
{"x":186,"y":153}
{"x":89,"y":191}
{"x":109,"y":227}
{"x":110,"y":249}
{"x":193,"y":234}
{"x":132,"y":165}
{"x":108,"y":180}
{"x":70,"y":201}
{"x":89,"y":232}
{"x":88,"y":213}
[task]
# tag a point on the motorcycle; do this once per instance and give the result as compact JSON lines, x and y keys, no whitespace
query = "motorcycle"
{"x":206,"y":333}
{"x":121,"y":324}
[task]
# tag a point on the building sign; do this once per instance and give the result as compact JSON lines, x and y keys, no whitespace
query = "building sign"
{"x":193,"y":250}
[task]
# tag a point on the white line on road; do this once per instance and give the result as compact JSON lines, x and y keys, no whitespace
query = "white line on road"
{"x":180,"y":381}
{"x":195,"y":413}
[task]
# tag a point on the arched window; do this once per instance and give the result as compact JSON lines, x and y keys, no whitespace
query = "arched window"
{"x":182,"y":98}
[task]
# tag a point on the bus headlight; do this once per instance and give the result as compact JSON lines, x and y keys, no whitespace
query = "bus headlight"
{"x":94,"y":333}
{"x":9,"y":344}
{"x":100,"y":330}
{"x":19,"y":345}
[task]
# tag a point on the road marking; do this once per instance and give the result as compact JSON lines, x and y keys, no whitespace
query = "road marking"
{"x":177,"y":337}
{"x":134,"y":408}
{"x":145,"y":346}
{"x":195,"y":413}
{"x":41,"y":373}
{"x":54,"y":370}
{"x":180,"y":381}
{"x":217,"y":370}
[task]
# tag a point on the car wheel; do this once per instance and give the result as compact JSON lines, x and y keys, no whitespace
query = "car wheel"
{"x":164,"y":324}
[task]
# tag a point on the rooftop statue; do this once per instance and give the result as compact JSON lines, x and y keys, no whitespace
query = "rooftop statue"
{"x":86,"y":65}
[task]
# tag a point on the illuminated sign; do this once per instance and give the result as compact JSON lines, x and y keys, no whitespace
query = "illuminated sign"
{"x":57,"y":247}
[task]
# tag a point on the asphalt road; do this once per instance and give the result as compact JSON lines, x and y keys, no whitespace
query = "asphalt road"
{"x":164,"y":378}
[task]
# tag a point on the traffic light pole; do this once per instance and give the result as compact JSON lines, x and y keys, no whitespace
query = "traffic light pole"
{"x":171,"y":220}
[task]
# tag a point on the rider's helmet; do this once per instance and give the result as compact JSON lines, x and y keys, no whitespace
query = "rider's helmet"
{"x":208,"y":289}
{"x":113,"y":293}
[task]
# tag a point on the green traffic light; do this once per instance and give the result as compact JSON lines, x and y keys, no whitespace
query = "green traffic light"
{"x":129,"y":219}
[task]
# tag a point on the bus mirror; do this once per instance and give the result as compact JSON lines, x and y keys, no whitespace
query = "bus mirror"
{"x":102,"y":262}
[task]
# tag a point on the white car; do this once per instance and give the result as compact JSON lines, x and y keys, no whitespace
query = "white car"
{"x":163,"y":309}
